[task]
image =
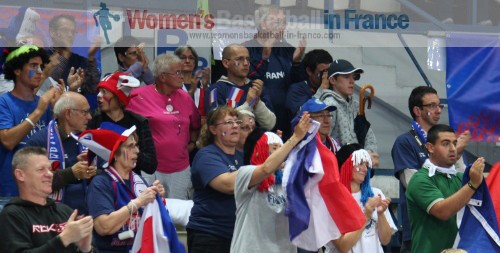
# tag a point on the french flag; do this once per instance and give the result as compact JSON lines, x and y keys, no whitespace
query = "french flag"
{"x":494,"y":188}
{"x":319,"y":207}
{"x":235,"y":94}
{"x":478,"y":228}
{"x":213,"y":97}
{"x":156,"y":231}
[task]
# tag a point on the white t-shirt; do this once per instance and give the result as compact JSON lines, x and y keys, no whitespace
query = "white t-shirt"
{"x":369,"y":241}
{"x":261,"y":225}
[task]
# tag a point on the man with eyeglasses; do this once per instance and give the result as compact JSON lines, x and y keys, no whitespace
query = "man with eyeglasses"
{"x":316,"y":63}
{"x":22,"y":113}
{"x":62,"y":29}
{"x":339,"y":93}
{"x":67,"y":156}
{"x":132,"y":59}
{"x":409,"y":152}
{"x":239,"y":92}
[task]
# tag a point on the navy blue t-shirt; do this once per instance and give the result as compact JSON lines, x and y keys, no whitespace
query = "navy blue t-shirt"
{"x":277,"y":75}
{"x":13,"y":111}
{"x":406,"y":153}
{"x":213,"y":212}
{"x":297,"y":95}
{"x":103,"y":198}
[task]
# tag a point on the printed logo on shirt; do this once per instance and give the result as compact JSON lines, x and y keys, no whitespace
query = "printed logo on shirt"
{"x":231,"y":168}
{"x":275,"y":75}
{"x":422,"y":155}
{"x":58,"y":228}
{"x":276,"y":198}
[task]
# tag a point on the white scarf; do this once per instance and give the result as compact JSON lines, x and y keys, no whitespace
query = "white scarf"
{"x":433,"y":168}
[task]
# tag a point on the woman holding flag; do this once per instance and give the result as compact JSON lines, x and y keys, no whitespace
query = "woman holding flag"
{"x":355,"y":163}
{"x":116,"y":197}
{"x":261,"y":225}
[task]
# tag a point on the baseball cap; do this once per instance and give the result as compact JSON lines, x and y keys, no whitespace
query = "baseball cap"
{"x":342,"y":67}
{"x":315,"y":105}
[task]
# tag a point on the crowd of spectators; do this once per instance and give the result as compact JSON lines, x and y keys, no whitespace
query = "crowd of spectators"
{"x":59,"y":154}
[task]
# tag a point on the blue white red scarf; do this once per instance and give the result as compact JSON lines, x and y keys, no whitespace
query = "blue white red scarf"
{"x":418,"y":129}
{"x":55,"y":152}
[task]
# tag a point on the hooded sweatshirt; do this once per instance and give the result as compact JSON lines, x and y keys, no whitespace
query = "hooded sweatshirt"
{"x":30,"y":227}
{"x":343,"y":118}
{"x":223,"y":93}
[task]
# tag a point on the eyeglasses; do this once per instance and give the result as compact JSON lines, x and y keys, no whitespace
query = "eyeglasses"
{"x":230,"y":123}
{"x":433,"y":106}
{"x":240,"y":60}
{"x":133,"y":53}
{"x":246,"y":128}
{"x":84,"y":112}
{"x":66,"y":30}
{"x":176,"y":73}
{"x":190,"y":58}
{"x":321,"y":116}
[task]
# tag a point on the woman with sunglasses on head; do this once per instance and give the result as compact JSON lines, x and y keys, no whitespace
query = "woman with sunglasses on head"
{"x":174,"y":121}
{"x":341,"y":77}
{"x":355,"y":163}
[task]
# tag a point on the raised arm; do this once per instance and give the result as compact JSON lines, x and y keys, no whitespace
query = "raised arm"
{"x":274,"y":161}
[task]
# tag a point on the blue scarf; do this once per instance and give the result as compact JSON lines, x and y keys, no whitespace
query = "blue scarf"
{"x":418,"y":129}
{"x":55,"y":152}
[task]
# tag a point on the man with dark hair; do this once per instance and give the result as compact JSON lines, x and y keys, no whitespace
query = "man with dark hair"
{"x":238,"y":91}
{"x":22,"y":113}
{"x":316,"y":63}
{"x":33,"y":222}
{"x":435,"y":193}
{"x":62,"y":29}
{"x":132,"y":59}
{"x":409,"y":152}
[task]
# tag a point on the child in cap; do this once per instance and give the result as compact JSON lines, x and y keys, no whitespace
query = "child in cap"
{"x":355,"y":163}
{"x":342,"y":75}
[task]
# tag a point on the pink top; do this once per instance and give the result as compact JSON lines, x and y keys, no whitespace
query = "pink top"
{"x":171,"y":119}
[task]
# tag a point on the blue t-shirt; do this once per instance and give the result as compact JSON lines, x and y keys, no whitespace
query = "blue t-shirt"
{"x":277,"y":75}
{"x":213,"y":212}
{"x":406,"y":153}
{"x":297,"y":95}
{"x":74,"y":193}
{"x":13,"y":111}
